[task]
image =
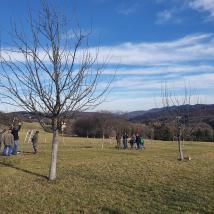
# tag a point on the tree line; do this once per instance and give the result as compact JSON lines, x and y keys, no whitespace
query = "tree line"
{"x":106,"y":125}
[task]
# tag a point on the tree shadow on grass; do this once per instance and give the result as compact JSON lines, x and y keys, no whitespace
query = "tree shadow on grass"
{"x":27,"y":153}
{"x":23,"y":170}
{"x":86,"y":147}
{"x":110,"y":210}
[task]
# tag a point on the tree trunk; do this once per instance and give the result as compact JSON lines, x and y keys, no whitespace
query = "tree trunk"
{"x":181,"y":157}
{"x":52,"y":173}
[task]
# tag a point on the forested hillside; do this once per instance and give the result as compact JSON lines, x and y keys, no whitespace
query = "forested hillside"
{"x":158,"y":123}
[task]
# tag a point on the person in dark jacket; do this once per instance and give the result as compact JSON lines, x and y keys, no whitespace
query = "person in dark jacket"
{"x":138,"y":141}
{"x":15,"y":132}
{"x":132,"y":141}
{"x":35,"y":140}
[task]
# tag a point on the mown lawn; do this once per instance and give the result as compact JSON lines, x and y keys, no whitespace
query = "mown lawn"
{"x":96,"y":180}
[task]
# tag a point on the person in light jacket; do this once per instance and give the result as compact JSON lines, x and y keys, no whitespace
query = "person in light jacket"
{"x":8,"y":141}
{"x":1,"y":133}
{"x":125,"y":140}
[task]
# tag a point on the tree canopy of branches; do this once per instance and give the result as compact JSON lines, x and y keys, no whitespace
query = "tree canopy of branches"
{"x":176,"y":105}
{"x":51,"y":70}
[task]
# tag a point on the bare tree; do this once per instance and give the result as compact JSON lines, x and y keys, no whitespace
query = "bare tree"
{"x":177,"y":107}
{"x":51,"y":71}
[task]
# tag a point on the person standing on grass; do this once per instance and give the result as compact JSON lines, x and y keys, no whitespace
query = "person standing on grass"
{"x":8,"y":141}
{"x":15,"y":133}
{"x":132,"y":141}
{"x":1,"y":133}
{"x":118,"y":139}
{"x":125,"y":140}
{"x":138,"y":141}
{"x":35,"y":140}
{"x":142,"y":143}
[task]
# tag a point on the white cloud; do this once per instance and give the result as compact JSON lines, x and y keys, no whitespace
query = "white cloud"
{"x":186,"y":49}
{"x":164,"y":16}
{"x":172,"y":69}
{"x":137,"y":92}
{"x":203,"y":81}
{"x":203,"y":5}
{"x":144,"y":67}
{"x":127,"y":8}
{"x":145,"y":103}
{"x":167,"y":16}
{"x":174,"y":12}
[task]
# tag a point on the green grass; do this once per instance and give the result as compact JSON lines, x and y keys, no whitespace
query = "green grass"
{"x":95,"y":180}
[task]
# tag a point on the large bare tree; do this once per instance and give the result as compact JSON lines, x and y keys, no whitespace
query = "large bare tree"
{"x":51,"y":70}
{"x":177,"y":107}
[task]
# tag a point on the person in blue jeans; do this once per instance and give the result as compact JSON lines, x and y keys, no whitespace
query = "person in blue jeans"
{"x":8,"y":141}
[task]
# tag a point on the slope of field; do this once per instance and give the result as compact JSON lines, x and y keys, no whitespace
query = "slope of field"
{"x":96,"y":180}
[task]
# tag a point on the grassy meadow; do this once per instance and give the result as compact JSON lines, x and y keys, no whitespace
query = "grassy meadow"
{"x":92,"y":179}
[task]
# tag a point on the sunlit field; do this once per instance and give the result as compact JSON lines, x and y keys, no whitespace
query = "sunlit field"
{"x":94,"y":177}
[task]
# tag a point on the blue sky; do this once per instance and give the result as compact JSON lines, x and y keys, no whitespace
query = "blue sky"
{"x":151,"y":42}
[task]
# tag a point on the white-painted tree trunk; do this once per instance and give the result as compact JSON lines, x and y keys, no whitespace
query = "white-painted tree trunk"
{"x":181,"y":156}
{"x":52,"y":173}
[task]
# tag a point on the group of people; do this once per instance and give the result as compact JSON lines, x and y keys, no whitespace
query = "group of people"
{"x":135,"y":141}
{"x":9,"y":139}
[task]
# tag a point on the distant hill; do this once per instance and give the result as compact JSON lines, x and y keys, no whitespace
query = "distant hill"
{"x":197,"y":112}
